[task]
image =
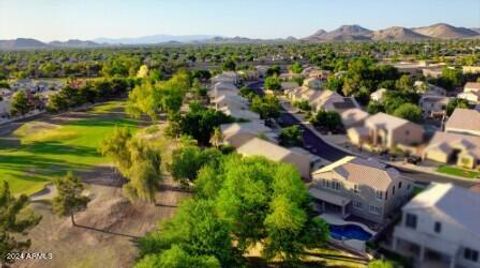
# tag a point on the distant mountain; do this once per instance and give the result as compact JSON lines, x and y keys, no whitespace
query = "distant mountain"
{"x":73,"y":43}
{"x":343,"y":33}
{"x":445,"y":31}
{"x":398,"y":34}
{"x":153,"y":39}
{"x":477,"y":30}
{"x":21,"y":43}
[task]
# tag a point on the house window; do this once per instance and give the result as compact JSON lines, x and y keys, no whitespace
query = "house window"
{"x":399,"y":185}
{"x":411,"y":221}
{"x":379,"y":195}
{"x":407,"y":132}
{"x":393,"y":190}
{"x":336,"y":185}
{"x":438,"y":227}
{"x":357,"y":204}
{"x":386,"y":195}
{"x":470,"y":254}
{"x":375,"y":210}
{"x":324,"y":182}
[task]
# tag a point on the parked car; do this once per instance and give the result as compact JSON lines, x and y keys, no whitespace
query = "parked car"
{"x":413,"y":159}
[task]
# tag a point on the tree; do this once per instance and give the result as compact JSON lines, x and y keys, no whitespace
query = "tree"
{"x":303,"y":105}
{"x":327,"y":120}
{"x":188,"y":159}
{"x":115,"y":147}
{"x":381,"y":264}
{"x":144,"y":172}
{"x":267,"y":107}
{"x":375,"y":107}
{"x":20,"y":104}
{"x":272,"y":83}
{"x":69,"y":199}
{"x":291,"y":136}
{"x":13,"y":221}
{"x":217,"y":137}
{"x":405,"y":83}
{"x":197,"y":230}
{"x":273,"y":70}
{"x":296,"y":68}
{"x":176,"y":257}
{"x":456,"y":103}
{"x":229,"y":65}
{"x":409,"y":111}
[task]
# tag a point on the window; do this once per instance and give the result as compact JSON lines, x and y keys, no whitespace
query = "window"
{"x":399,"y":185}
{"x":336,"y":185}
{"x":357,"y":204}
{"x":393,"y":190}
{"x":407,"y":133}
{"x":379,"y":195}
{"x":438,"y":227}
{"x":411,"y":221}
{"x":386,"y":195}
{"x":324,"y":182}
{"x":375,"y":210}
{"x":470,"y":254}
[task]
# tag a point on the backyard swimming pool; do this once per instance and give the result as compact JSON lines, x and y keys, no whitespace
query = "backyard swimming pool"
{"x":349,"y":231}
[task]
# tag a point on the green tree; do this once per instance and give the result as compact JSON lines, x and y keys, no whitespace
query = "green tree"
{"x":409,"y":111}
{"x":456,"y":103}
{"x":327,"y":120}
{"x":296,"y":68}
{"x":69,"y":199}
{"x":291,"y":136}
{"x":144,"y":173}
{"x":405,"y":83}
{"x":273,"y":70}
{"x":114,"y":146}
{"x":267,"y":107}
{"x":20,"y":104}
{"x":197,"y":230}
{"x":272,"y":83}
{"x":381,"y":264}
{"x":176,"y":257}
{"x":375,"y":107}
{"x":14,"y":221}
{"x":229,"y":65}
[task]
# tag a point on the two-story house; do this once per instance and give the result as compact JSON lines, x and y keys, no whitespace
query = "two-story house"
{"x":364,"y":188}
{"x":440,"y":227}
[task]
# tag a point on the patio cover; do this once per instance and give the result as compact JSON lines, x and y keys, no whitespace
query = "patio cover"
{"x":329,"y":197}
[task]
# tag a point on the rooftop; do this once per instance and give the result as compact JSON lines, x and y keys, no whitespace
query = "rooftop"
{"x":464,"y":119}
{"x":362,"y":171}
{"x":457,"y":204}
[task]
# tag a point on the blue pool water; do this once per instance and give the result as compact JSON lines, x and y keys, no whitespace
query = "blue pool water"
{"x":349,"y":231}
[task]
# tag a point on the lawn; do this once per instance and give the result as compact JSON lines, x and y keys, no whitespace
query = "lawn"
{"x":39,"y":151}
{"x":471,"y":174}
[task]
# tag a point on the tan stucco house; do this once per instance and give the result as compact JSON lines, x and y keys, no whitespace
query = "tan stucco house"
{"x":361,"y":187}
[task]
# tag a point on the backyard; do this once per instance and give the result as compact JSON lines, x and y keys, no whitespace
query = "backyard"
{"x":34,"y":153}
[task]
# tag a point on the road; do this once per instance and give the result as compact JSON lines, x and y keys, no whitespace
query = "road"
{"x":317,"y":146}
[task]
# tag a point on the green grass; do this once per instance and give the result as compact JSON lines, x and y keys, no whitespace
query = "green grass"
{"x":471,"y":174}
{"x":46,"y":151}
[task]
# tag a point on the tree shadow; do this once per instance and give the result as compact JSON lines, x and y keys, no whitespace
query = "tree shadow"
{"x":165,"y":205}
{"x":106,"y":231}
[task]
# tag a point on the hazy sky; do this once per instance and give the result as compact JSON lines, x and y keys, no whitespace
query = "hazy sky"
{"x":87,"y":19}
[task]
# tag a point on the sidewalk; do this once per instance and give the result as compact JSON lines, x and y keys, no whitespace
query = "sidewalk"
{"x":364,"y":154}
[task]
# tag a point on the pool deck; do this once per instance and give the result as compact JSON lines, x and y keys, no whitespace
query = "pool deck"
{"x":337,"y":220}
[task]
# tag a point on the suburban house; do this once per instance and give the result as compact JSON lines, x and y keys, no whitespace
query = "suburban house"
{"x":353,"y":117}
{"x":234,"y":133}
{"x":378,"y":94}
{"x":461,"y":149}
{"x":359,"y":187}
{"x":471,"y":92}
{"x":229,"y":100}
{"x":433,"y":106}
{"x":289,"y":85}
{"x":220,"y":88}
{"x":427,"y":89}
{"x":315,"y":72}
{"x":464,"y":121}
{"x":440,"y":227}
{"x":386,"y":131}
{"x":249,"y":145}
